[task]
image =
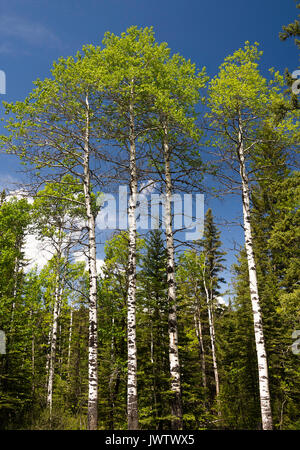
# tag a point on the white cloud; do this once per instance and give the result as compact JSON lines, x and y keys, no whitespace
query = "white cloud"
{"x":15,"y":27}
{"x":147,"y":187}
{"x":37,"y":253}
{"x":19,"y":194}
{"x":99,"y":262}
{"x":221,"y":300}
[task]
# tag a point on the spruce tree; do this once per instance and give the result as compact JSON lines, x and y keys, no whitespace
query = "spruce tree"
{"x":153,"y":332}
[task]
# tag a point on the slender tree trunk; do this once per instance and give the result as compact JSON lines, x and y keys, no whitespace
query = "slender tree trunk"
{"x":77,"y":362}
{"x":53,"y":342}
{"x":60,"y":346}
{"x":212,"y":333}
{"x":199,"y":334}
{"x":114,"y":380}
{"x":93,"y":333}
{"x":61,"y":291}
{"x":32,"y":357}
{"x":33,"y":363}
{"x":132,"y":395}
{"x":53,"y":334}
{"x":70,"y":342}
{"x":263,"y":377}
{"x":176,"y":404}
{"x":112,"y":377}
{"x":114,"y":383}
{"x":153,"y":365}
{"x":48,"y":357}
{"x":15,"y":290}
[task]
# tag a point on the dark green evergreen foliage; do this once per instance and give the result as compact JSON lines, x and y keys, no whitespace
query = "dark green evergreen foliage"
{"x":112,"y":334}
{"x":198,"y":401}
{"x":211,"y":245}
{"x":291,"y":30}
{"x":152,"y":328}
{"x":288,"y":31}
{"x":277,"y":244}
{"x":211,"y":249}
{"x":77,"y":372}
{"x":197,"y":269}
{"x":239,"y":385}
{"x":15,"y":369}
{"x":275,"y":224}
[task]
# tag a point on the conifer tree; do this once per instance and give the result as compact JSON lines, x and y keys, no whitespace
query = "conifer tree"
{"x":288,"y":31}
{"x":212,"y":265}
{"x":153,"y":331}
{"x":15,"y":369}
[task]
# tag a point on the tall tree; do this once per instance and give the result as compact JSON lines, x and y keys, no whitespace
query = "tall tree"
{"x":52,"y":132}
{"x":53,"y":217}
{"x":115,"y":295}
{"x":200,"y":278}
{"x":212,"y":265}
{"x":241,"y":102}
{"x":153,"y":331}
{"x":15,"y":369}
{"x":125,"y":71}
{"x":176,"y":89}
{"x":190,"y":285}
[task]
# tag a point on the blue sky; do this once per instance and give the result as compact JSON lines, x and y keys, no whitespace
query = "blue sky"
{"x":34,"y":33}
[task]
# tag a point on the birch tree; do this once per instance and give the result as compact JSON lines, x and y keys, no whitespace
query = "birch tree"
{"x":191,"y":286}
{"x":176,"y":89}
{"x":241,"y":102}
{"x":52,"y":219}
{"x":52,"y":133}
{"x":211,"y":328}
{"x":124,"y":69}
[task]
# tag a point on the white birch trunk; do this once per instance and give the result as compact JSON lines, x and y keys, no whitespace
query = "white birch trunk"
{"x":48,"y":357}
{"x":132,"y":395}
{"x":53,"y":343}
{"x":53,"y":333}
{"x":176,"y":404}
{"x":263,"y":377}
{"x":70,"y":342}
{"x":33,"y":364}
{"x":93,"y":333}
{"x":32,"y":357}
{"x":212,"y":333}
{"x":153,"y":363}
{"x":15,"y":289}
{"x":199,"y":334}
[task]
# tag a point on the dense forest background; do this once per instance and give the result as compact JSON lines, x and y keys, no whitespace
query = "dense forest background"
{"x":147,"y":340}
